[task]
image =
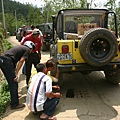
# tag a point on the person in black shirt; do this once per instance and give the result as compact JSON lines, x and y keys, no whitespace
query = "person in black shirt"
{"x":10,"y":63}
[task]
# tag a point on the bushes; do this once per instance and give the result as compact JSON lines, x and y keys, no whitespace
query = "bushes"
{"x":8,"y":45}
{"x":4,"y":97}
{"x":1,"y":36}
{"x":4,"y":45}
{"x":1,"y":33}
{"x":4,"y":89}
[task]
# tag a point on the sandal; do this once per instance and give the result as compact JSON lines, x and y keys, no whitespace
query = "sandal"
{"x":49,"y":118}
{"x":19,"y":95}
{"x":35,"y":113}
{"x":52,"y":118}
{"x":44,"y":118}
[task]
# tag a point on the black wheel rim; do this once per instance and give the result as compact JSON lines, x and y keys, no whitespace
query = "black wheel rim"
{"x":99,"y":48}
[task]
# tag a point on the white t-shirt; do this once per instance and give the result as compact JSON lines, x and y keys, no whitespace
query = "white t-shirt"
{"x":41,"y":34}
{"x":22,"y":40}
{"x":34,"y":99}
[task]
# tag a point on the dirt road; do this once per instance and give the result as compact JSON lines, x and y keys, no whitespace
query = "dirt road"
{"x":93,"y":98}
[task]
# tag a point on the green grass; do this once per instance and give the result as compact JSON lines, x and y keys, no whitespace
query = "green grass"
{"x":4,"y":97}
{"x":4,"y":88}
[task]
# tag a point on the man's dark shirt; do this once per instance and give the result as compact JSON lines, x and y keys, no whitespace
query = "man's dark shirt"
{"x":17,"y":52}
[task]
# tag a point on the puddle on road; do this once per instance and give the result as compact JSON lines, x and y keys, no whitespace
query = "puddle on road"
{"x":70,"y":93}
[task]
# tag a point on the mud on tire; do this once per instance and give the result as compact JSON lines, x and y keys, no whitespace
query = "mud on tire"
{"x":113,"y":76}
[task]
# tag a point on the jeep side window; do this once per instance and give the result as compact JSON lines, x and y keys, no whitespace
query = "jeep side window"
{"x":59,"y":26}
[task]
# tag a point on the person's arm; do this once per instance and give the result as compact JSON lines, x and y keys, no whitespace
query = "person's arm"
{"x":18,"y":66}
{"x":57,"y":74}
{"x":23,"y":41}
{"x":39,"y":52}
{"x":56,"y":87}
{"x":48,"y":89}
{"x":53,"y":95}
{"x":42,"y":38}
{"x":40,"y":44}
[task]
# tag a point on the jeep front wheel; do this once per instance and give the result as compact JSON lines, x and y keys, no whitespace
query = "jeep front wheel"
{"x":98,"y":47}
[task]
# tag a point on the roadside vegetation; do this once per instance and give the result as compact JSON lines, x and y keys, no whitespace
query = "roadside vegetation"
{"x":4,"y":89}
{"x":4,"y":96}
{"x":27,"y":14}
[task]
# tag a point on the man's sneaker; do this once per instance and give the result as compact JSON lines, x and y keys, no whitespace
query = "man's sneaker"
{"x":18,"y":106}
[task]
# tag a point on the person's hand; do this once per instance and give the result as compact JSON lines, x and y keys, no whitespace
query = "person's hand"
{"x":16,"y":79}
{"x":40,"y":57}
{"x":117,"y":59}
{"x":56,"y":87}
{"x":58,"y":95}
{"x":51,"y":58}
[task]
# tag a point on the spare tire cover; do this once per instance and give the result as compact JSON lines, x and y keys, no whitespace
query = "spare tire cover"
{"x":98,"y":46}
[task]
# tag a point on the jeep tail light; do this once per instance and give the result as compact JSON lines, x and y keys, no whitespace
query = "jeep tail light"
{"x":44,"y":35}
{"x":65,"y":49}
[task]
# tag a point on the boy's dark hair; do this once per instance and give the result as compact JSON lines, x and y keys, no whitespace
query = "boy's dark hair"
{"x":49,"y":63}
{"x":40,"y":67}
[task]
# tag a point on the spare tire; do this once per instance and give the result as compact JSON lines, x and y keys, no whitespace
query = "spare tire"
{"x":98,"y":46}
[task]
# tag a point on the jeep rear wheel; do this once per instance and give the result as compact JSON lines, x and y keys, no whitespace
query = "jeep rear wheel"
{"x":113,"y":76}
{"x":98,"y":47}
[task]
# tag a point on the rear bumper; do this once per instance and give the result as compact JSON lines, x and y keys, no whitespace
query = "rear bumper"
{"x":85,"y":67}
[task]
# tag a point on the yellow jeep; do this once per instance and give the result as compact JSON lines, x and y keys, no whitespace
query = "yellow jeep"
{"x":86,"y":40}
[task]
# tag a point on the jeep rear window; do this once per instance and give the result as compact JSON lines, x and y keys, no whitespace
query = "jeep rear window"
{"x":78,"y":22}
{"x":72,"y":22}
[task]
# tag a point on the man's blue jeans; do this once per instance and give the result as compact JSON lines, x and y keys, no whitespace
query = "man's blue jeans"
{"x":7,"y":67}
{"x":50,"y":105}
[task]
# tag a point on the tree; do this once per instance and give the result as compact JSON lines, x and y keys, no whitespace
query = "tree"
{"x":118,"y":17}
{"x":111,"y":5}
{"x":27,"y":14}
